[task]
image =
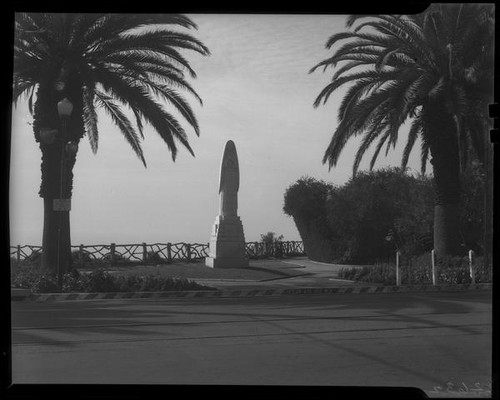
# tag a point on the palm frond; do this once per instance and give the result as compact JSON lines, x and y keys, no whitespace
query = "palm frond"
{"x":139,"y":53}
{"x":178,"y":101}
{"x":150,"y":67}
{"x":443,"y":56}
{"x":109,"y":26}
{"x":22,"y":87}
{"x":377,"y":128}
{"x":380,"y":144}
{"x":90,"y":118}
{"x":137,"y":96}
{"x":121,"y":120}
{"x":370,"y":75}
{"x":145,"y":46}
{"x":351,"y":19}
{"x":415,"y":130}
{"x":424,"y":154}
{"x":409,"y":38}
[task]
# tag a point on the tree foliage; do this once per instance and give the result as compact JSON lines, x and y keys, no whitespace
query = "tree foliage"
{"x":305,"y":201}
{"x":129,"y":65}
{"x":354,"y":220}
{"x":398,"y":68}
{"x":368,"y":206}
{"x":432,"y":71}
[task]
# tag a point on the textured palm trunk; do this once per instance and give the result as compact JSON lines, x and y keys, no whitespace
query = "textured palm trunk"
{"x":488,"y":204}
{"x":57,"y":177}
{"x":446,"y":168}
{"x":56,"y":239}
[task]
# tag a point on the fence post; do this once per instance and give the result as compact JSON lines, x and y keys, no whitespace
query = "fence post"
{"x":112,"y":249}
{"x":18,"y":253}
{"x":188,"y":251}
{"x":471,"y":267}
{"x":169,"y":252}
{"x":80,"y":255}
{"x":398,"y":271}
{"x":434,"y":272}
{"x":144,"y":253}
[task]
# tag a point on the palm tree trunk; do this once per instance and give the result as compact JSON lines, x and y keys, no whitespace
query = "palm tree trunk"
{"x":56,"y":239}
{"x":488,"y":204}
{"x":443,"y":142}
{"x":57,"y":179}
{"x":447,"y":240}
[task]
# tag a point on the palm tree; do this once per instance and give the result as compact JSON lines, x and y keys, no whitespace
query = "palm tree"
{"x":127,"y":64}
{"x":433,"y":70}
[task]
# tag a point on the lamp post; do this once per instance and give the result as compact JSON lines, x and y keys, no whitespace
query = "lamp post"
{"x":61,"y":205}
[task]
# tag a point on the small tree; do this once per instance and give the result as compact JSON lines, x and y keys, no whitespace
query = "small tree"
{"x":271,"y":244}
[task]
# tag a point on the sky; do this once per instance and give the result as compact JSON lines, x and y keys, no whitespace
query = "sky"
{"x":257,"y":91}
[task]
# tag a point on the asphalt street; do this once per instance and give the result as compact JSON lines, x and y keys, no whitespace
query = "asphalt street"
{"x":439,"y":342}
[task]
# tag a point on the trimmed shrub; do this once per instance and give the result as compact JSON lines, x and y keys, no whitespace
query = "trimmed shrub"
{"x":96,"y":281}
{"x":305,"y":201}
{"x":350,"y":224}
{"x":379,"y":273}
{"x":368,"y":206}
{"x":418,"y":271}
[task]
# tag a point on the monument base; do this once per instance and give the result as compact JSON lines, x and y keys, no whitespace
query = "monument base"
{"x":227,"y":244}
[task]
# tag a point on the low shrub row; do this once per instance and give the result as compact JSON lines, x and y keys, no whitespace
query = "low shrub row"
{"x":38,"y":281}
{"x":419,"y":271}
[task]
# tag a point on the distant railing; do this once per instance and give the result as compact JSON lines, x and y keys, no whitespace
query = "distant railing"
{"x":156,"y":253}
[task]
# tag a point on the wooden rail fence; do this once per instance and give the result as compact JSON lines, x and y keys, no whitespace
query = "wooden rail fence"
{"x":157,"y":253}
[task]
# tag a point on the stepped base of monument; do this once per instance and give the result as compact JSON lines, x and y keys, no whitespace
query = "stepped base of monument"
{"x":226,"y":262}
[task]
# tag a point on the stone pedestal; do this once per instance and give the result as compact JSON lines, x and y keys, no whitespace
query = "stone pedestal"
{"x":227,"y":244}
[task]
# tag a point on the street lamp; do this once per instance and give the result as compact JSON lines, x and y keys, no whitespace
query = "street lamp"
{"x":64,"y":109}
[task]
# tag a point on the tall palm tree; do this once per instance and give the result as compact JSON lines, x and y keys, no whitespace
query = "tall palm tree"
{"x":433,"y":70}
{"x":127,"y":64}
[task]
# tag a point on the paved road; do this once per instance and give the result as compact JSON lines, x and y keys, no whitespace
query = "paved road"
{"x":427,"y":340}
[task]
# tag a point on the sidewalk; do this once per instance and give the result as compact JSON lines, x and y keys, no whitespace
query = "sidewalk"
{"x":269,"y":277}
{"x":298,"y":272}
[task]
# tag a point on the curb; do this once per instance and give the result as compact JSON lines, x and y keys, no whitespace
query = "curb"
{"x":251,"y":292}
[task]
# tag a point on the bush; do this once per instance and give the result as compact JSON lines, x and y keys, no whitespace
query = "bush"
{"x":371,"y":204}
{"x":349,"y":224}
{"x":24,"y":276}
{"x":154,"y":257}
{"x":305,"y":201}
{"x":418,"y":271}
{"x":35,"y":258}
{"x":271,"y":243}
{"x":96,"y":281}
{"x":472,"y":208}
{"x":379,"y":273}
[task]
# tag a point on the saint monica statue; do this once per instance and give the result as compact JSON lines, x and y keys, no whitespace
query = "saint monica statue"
{"x":227,"y":242}
{"x":229,"y":182}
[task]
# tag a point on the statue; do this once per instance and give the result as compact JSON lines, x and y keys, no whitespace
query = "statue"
{"x":227,"y":242}
{"x":229,"y":181}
